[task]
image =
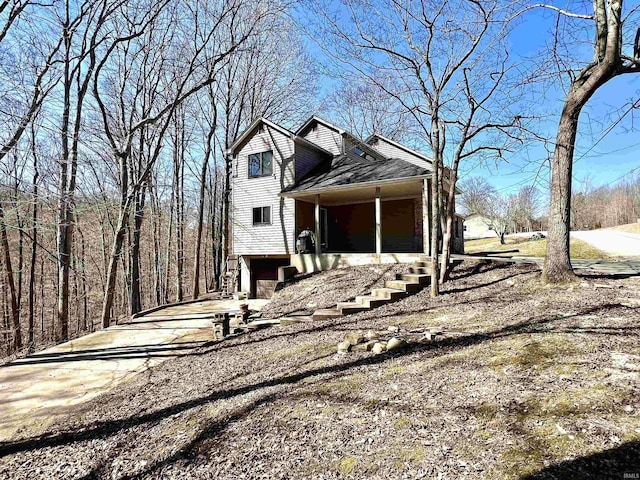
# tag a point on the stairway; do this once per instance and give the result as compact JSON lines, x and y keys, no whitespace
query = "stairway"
{"x":405,"y":284}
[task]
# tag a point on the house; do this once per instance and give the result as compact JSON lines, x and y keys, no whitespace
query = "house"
{"x":477,"y":225}
{"x":365,"y":200}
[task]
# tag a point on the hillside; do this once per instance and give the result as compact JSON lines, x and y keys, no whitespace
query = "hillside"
{"x":524,"y":380}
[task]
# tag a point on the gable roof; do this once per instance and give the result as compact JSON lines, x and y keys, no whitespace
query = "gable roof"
{"x":314,"y":118}
{"x":398,"y":145}
{"x":250,"y":129}
{"x":350,"y":169}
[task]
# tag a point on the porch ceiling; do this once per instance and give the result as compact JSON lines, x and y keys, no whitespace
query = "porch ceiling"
{"x":362,"y":194}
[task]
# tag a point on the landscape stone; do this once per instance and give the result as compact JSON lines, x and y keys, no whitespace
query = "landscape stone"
{"x":378,"y":348}
{"x":354,"y":338}
{"x":393,"y":328}
{"x":396,"y":343}
{"x":344,"y":347}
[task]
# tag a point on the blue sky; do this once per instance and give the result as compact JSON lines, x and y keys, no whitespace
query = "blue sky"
{"x":608,"y":141}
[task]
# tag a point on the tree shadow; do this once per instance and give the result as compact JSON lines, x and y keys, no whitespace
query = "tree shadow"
{"x":104,"y":428}
{"x":622,"y":462}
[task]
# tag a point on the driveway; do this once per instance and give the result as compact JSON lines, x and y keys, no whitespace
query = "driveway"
{"x":613,"y":242}
{"x":37,"y":388}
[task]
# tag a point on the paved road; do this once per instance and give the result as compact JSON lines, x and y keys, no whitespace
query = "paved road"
{"x":37,"y":388}
{"x":613,"y":242}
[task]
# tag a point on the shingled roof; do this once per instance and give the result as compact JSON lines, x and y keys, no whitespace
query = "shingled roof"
{"x":352,"y":169}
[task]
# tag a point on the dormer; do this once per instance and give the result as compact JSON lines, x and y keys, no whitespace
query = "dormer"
{"x":392,"y":149}
{"x":323,"y":134}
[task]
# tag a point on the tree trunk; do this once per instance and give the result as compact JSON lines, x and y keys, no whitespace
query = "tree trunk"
{"x":15,"y":311}
{"x":34,"y":247}
{"x":557,"y":264}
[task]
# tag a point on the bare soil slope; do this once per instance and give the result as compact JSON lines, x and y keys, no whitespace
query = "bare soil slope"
{"x":525,"y":380}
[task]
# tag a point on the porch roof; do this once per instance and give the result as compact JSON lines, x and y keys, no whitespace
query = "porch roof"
{"x":350,"y":169}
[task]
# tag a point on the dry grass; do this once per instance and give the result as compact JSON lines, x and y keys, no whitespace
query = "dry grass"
{"x":523,"y":247}
{"x":524,"y":380}
{"x":630,"y":228}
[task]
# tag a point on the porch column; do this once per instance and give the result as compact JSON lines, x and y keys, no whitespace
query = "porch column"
{"x":317,"y":224}
{"x":378,"y":223}
{"x":426,"y":224}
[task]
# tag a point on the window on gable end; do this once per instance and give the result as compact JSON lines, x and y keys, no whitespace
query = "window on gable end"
{"x":260,"y":164}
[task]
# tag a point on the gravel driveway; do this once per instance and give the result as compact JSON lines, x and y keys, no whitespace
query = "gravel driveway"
{"x":615,"y":243}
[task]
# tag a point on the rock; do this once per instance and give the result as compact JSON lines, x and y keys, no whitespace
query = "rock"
{"x":378,"y":348}
{"x":354,"y":338}
{"x":396,"y":343}
{"x":371,"y":335}
{"x":393,"y":328}
{"x":344,"y":347}
{"x":364,"y":347}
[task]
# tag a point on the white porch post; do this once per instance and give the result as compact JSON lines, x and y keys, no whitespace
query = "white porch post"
{"x":317,"y":224}
{"x":378,"y":223}
{"x":426,"y":224}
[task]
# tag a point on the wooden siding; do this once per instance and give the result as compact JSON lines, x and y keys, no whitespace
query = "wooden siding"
{"x":307,"y":158}
{"x":248,"y":193}
{"x":391,"y":151}
{"x":324,"y":137}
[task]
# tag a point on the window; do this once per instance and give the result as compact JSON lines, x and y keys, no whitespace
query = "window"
{"x":262,"y":216}
{"x":260,"y":164}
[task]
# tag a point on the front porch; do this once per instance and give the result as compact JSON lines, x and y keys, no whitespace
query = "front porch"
{"x":385,"y":218}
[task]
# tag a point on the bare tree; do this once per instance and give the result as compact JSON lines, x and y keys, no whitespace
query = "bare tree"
{"x":608,"y":61}
{"x":452,"y":70}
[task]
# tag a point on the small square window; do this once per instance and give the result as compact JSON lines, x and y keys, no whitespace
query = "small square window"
{"x":260,"y":164}
{"x":262,"y":216}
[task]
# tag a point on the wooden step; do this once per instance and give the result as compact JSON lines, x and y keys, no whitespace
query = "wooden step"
{"x":422,"y":279}
{"x":347,"y":308}
{"x":391,"y":294}
{"x":372,"y":301}
{"x":326,"y":313}
{"x":410,"y":287}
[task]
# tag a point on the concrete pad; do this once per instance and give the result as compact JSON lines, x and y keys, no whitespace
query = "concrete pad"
{"x":37,"y":388}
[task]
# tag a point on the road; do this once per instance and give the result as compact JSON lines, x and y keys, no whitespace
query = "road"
{"x":613,"y":242}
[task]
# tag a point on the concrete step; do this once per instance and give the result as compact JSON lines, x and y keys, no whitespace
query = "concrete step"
{"x":346,"y":308}
{"x":256,"y":324}
{"x":425,"y":264}
{"x":284,"y":321}
{"x":372,"y":301}
{"x":420,"y":270}
{"x":422,"y":279}
{"x":391,"y":294}
{"x":409,"y":287}
{"x":326,"y":313}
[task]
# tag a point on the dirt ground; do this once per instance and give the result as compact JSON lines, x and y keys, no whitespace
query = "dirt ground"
{"x":524,"y":382}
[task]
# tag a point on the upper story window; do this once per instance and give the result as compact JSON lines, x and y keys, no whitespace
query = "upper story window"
{"x":260,"y":164}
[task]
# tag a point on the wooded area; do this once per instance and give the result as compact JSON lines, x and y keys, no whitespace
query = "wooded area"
{"x":116,"y":116}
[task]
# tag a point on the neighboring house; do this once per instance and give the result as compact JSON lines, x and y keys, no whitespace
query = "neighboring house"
{"x":477,"y":225}
{"x":365,"y":200}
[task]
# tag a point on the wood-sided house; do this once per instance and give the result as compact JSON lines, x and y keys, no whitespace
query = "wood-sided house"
{"x":366,"y":201}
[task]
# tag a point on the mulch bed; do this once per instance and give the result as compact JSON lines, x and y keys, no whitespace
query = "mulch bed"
{"x":524,"y":381}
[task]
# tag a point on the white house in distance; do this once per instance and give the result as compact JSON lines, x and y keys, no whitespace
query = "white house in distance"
{"x":365,"y":200}
{"x":477,"y":225}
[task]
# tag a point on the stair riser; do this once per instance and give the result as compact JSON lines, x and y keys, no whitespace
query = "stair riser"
{"x":391,"y":296}
{"x":400,"y":285}
{"x":415,"y":278}
{"x":350,"y":310}
{"x":372,"y":302}
{"x":420,"y":270}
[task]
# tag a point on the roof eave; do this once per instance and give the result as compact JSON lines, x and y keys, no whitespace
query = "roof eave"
{"x":351,"y":186}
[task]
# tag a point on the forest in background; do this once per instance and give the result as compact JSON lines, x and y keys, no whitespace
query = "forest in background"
{"x":114,"y":186}
{"x":116,"y":117}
